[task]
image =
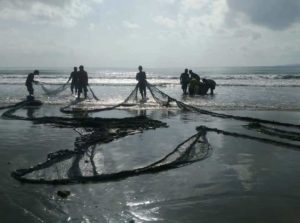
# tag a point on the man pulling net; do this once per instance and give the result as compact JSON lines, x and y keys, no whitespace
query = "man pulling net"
{"x":29,"y":84}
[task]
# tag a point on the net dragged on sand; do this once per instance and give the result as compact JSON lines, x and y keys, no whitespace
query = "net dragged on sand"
{"x":79,"y":165}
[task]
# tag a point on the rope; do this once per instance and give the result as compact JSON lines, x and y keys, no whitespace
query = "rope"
{"x":265,"y":140}
{"x":94,"y":96}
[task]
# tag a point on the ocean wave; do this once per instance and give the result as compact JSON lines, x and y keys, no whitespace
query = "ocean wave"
{"x":288,"y":77}
{"x":259,"y":85}
{"x":153,"y":76}
{"x":166,"y":84}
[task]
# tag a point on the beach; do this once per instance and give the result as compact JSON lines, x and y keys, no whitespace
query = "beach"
{"x":241,"y":180}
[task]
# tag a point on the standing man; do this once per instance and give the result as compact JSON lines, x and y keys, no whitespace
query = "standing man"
{"x":82,"y":81}
{"x":29,"y":81}
{"x":74,"y":82}
{"x":142,"y":82}
{"x":184,"y":80}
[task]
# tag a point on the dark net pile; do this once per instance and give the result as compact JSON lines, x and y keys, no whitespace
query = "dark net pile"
{"x":79,"y":165}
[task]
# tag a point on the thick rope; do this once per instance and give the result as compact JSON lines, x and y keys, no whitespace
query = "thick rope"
{"x":265,"y":140}
{"x":291,"y":135}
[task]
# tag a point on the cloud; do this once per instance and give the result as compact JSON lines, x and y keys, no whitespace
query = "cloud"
{"x":195,"y":4}
{"x":55,"y":12}
{"x":92,"y":26}
{"x":165,"y":21}
{"x":130,"y":25}
{"x":167,"y":1}
{"x":273,"y":14}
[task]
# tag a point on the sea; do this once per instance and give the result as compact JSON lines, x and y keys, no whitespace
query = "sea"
{"x":242,"y":180}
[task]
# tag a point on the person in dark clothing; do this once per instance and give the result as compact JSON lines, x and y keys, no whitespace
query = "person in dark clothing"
{"x":211,"y":84}
{"x":193,"y":86}
{"x":29,"y":82}
{"x":142,"y":82}
{"x":74,"y":82}
{"x":194,"y":75}
{"x":184,"y":80}
{"x":82,"y":81}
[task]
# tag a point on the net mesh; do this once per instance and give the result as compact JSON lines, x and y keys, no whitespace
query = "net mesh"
{"x":80,"y":164}
{"x":53,"y":92}
{"x":61,"y":88}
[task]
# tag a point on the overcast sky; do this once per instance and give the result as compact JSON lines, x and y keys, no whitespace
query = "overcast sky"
{"x":154,"y":33}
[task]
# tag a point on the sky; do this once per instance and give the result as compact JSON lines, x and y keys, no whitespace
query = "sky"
{"x":153,"y":33}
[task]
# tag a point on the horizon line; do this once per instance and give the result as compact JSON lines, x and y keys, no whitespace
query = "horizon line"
{"x":150,"y":67}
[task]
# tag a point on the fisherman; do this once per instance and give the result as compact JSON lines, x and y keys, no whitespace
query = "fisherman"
{"x":142,"y":82}
{"x":82,"y":81}
{"x":211,"y":84}
{"x":194,"y":75}
{"x":74,"y":82}
{"x":184,"y":80}
{"x":29,"y":81}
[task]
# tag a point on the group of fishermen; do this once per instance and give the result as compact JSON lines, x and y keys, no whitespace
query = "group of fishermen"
{"x":79,"y":82}
{"x":191,"y":81}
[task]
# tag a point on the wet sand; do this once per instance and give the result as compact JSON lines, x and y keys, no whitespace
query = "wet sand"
{"x":241,"y":181}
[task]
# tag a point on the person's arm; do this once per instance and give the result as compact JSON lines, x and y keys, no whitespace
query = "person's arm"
{"x":71,"y":76}
{"x":137,"y":77}
{"x":87,"y":79}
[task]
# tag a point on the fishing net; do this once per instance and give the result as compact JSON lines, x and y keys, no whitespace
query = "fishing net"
{"x":80,"y":164}
{"x":53,"y":92}
{"x":165,"y":100}
{"x":72,"y":108}
{"x":245,"y":136}
{"x":61,"y":88}
{"x":13,"y":106}
{"x":132,"y":99}
{"x":272,"y":131}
